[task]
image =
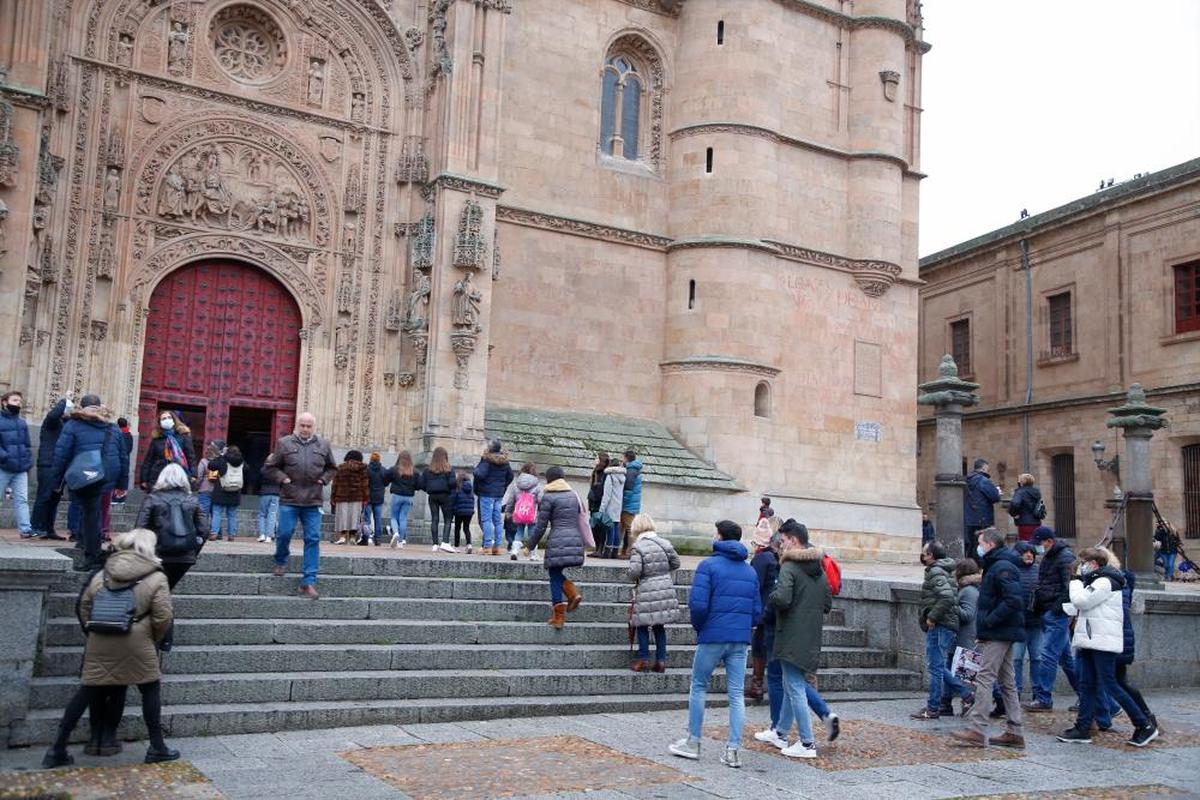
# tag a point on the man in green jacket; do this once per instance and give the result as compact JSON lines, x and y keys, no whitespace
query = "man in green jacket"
{"x":939,"y":620}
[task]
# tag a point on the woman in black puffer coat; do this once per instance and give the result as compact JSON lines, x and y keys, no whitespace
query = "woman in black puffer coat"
{"x":560,"y":509}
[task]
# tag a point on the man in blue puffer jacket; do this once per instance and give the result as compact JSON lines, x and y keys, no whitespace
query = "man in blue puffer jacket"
{"x":631,"y":496}
{"x":725,"y":605}
{"x":91,"y":427}
{"x":16,"y":459}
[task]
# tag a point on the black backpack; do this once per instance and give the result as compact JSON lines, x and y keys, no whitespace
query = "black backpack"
{"x":1039,"y":510}
{"x":178,"y":535}
{"x":113,"y":610}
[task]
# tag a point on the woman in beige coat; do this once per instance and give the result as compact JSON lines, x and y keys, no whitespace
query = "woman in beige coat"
{"x":113,"y":662}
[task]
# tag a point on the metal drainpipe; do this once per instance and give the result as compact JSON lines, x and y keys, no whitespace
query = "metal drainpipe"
{"x":1028,"y":349}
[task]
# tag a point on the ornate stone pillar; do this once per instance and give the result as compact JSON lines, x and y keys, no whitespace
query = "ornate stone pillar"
{"x":1138,"y":421}
{"x":949,"y":395}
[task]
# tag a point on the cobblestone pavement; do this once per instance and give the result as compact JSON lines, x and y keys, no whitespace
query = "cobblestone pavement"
{"x":881,"y":754}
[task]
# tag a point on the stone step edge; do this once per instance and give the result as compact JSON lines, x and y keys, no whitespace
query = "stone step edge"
{"x":419,"y":647}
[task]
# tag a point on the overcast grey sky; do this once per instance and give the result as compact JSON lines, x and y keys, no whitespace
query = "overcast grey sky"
{"x":1029,"y":103}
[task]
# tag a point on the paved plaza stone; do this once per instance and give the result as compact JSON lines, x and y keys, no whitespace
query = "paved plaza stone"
{"x":881,"y":754}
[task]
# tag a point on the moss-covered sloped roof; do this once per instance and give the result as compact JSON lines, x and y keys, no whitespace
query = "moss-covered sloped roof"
{"x":571,"y":441}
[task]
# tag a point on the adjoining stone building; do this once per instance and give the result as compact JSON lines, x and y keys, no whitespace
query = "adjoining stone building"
{"x":424,"y":218}
{"x":1110,"y":296}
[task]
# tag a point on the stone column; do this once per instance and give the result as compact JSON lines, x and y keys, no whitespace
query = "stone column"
{"x":26,"y":575}
{"x":1138,"y":421}
{"x":949,"y":394}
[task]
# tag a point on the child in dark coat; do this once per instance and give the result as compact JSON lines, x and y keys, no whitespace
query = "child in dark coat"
{"x":462,"y":503}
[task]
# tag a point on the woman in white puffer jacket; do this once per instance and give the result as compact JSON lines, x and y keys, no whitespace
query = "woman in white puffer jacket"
{"x":1099,"y":638}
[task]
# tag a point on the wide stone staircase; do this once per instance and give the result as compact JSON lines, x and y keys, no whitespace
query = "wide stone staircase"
{"x":404,"y":640}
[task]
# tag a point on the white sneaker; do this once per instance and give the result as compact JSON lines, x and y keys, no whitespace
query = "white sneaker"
{"x":470,"y":550}
{"x":686,"y":748}
{"x":772,"y":737}
{"x":402,"y":543}
{"x":261,"y":539}
{"x":395,"y":540}
{"x":446,"y":547}
{"x":436,"y":548}
{"x":800,"y":750}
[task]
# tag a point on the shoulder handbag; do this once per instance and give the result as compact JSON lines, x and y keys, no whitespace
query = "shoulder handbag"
{"x":585,"y":529}
{"x":87,"y":467}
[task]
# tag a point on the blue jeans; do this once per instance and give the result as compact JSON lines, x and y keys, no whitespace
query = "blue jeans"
{"x":795,"y":704}
{"x":1097,"y":687}
{"x":1169,"y":565}
{"x":1056,"y":651}
{"x":614,"y":536}
{"x":74,"y":515}
{"x":523,"y":531}
{"x":939,"y":644}
{"x":490,"y":519}
{"x":205,"y":501}
{"x":708,"y":657}
{"x":775,"y":690}
{"x":229,"y":513}
{"x":374,"y":511}
{"x":557,"y":581}
{"x":19,"y":483}
{"x":660,"y":642}
{"x":268,"y":515}
{"x":310,"y":518}
{"x":401,"y":505}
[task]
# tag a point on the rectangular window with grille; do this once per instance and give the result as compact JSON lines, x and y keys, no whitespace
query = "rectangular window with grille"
{"x":1191,"y":491}
{"x":960,"y":345}
{"x":1187,"y":297}
{"x":1061,"y":338}
{"x":1062,"y":471}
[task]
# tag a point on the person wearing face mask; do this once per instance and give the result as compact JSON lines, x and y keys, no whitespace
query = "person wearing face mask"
{"x":1096,"y":603}
{"x":999,"y":623}
{"x":1054,"y":577}
{"x":939,"y":620}
{"x":16,"y":459}
{"x":1029,"y":650}
{"x":170,"y":443}
{"x":49,"y":494}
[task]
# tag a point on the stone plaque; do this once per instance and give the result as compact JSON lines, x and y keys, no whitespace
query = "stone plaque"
{"x":868,"y":431}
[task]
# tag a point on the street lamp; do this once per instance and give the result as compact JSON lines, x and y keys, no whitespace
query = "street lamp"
{"x":1112,"y":465}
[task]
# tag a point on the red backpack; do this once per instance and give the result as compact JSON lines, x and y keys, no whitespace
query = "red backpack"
{"x":525,"y":511}
{"x":833,"y":574}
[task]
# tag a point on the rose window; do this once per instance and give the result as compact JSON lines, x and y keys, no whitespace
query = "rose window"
{"x":247,"y":43}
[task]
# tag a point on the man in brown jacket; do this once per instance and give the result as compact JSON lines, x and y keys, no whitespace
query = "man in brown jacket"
{"x":301,"y":464}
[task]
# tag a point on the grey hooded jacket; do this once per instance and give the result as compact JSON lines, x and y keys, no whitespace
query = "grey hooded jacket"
{"x":651,"y":562}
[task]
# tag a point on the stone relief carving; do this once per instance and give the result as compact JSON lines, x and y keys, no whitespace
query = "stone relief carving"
{"x":179,"y":38}
{"x":345,"y":295}
{"x":235,"y":186}
{"x":58,"y":88}
{"x":423,"y":241}
{"x":593,"y":230}
{"x":3,"y":226}
{"x":464,"y":309}
{"x":114,"y":151}
{"x":316,"y":82}
{"x":389,"y":379}
{"x":247,"y":43}
{"x":125,"y":49}
{"x":393,"y":319}
{"x":358,"y":107}
{"x":413,"y":166}
{"x":406,"y":379}
{"x":99,"y":330}
{"x":441,"y":62}
{"x":9,"y":151}
{"x":469,"y":247}
{"x":153,"y":109}
{"x":353,"y":198}
{"x":891,"y":83}
{"x":46,"y":262}
{"x":463,"y":345}
{"x":420,"y":343}
{"x":106,"y":255}
{"x":414,"y":37}
{"x":343,"y":337}
{"x":112,"y":189}
{"x":49,"y":165}
{"x":418,"y":299}
{"x":496,"y":255}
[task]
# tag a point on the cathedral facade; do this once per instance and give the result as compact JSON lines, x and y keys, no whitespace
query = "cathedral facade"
{"x":421,"y":219}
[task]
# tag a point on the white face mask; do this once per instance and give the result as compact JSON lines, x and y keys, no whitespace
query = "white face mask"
{"x":166,"y":423}
{"x":1086,"y":569}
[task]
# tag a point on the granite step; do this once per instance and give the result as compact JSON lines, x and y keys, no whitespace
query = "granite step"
{"x":64,"y":631}
{"x":191,"y":659}
{"x":421,"y":685}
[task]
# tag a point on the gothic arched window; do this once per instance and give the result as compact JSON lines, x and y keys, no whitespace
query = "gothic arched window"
{"x":620,"y":112}
{"x":631,"y":102}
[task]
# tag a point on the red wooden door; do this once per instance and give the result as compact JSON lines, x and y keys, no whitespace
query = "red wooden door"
{"x":220,"y":334}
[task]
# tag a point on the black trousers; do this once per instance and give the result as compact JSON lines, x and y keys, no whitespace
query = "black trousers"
{"x":45,"y":504}
{"x":89,"y":523}
{"x":1130,"y":689}
{"x":462,"y":524}
{"x":440,"y":506}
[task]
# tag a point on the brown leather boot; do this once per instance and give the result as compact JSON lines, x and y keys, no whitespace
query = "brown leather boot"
{"x":660,"y":666}
{"x":559,"y":618}
{"x":755,"y":692}
{"x":574,"y":598}
{"x":638,"y":666}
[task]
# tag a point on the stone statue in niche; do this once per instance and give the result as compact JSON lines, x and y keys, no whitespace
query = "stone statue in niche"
{"x":393,"y":319}
{"x":41,"y":216}
{"x":112,"y":190}
{"x":418,"y":297}
{"x":3,"y":224}
{"x":316,"y":81}
{"x":177,"y":43}
{"x":465,"y":307}
{"x":125,"y":49}
{"x":214,"y":197}
{"x":341,"y":346}
{"x":358,"y":103}
{"x":254,"y":167}
{"x":105,"y":255}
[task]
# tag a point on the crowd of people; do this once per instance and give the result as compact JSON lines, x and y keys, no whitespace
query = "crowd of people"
{"x":995,"y":611}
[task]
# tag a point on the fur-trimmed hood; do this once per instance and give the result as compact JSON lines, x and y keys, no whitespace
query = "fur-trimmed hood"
{"x":179,"y":430}
{"x":499,"y":459}
{"x":974,"y":579}
{"x":94,"y":415}
{"x":808,"y":559}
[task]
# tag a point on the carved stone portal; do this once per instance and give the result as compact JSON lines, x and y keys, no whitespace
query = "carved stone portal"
{"x":469,"y":247}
